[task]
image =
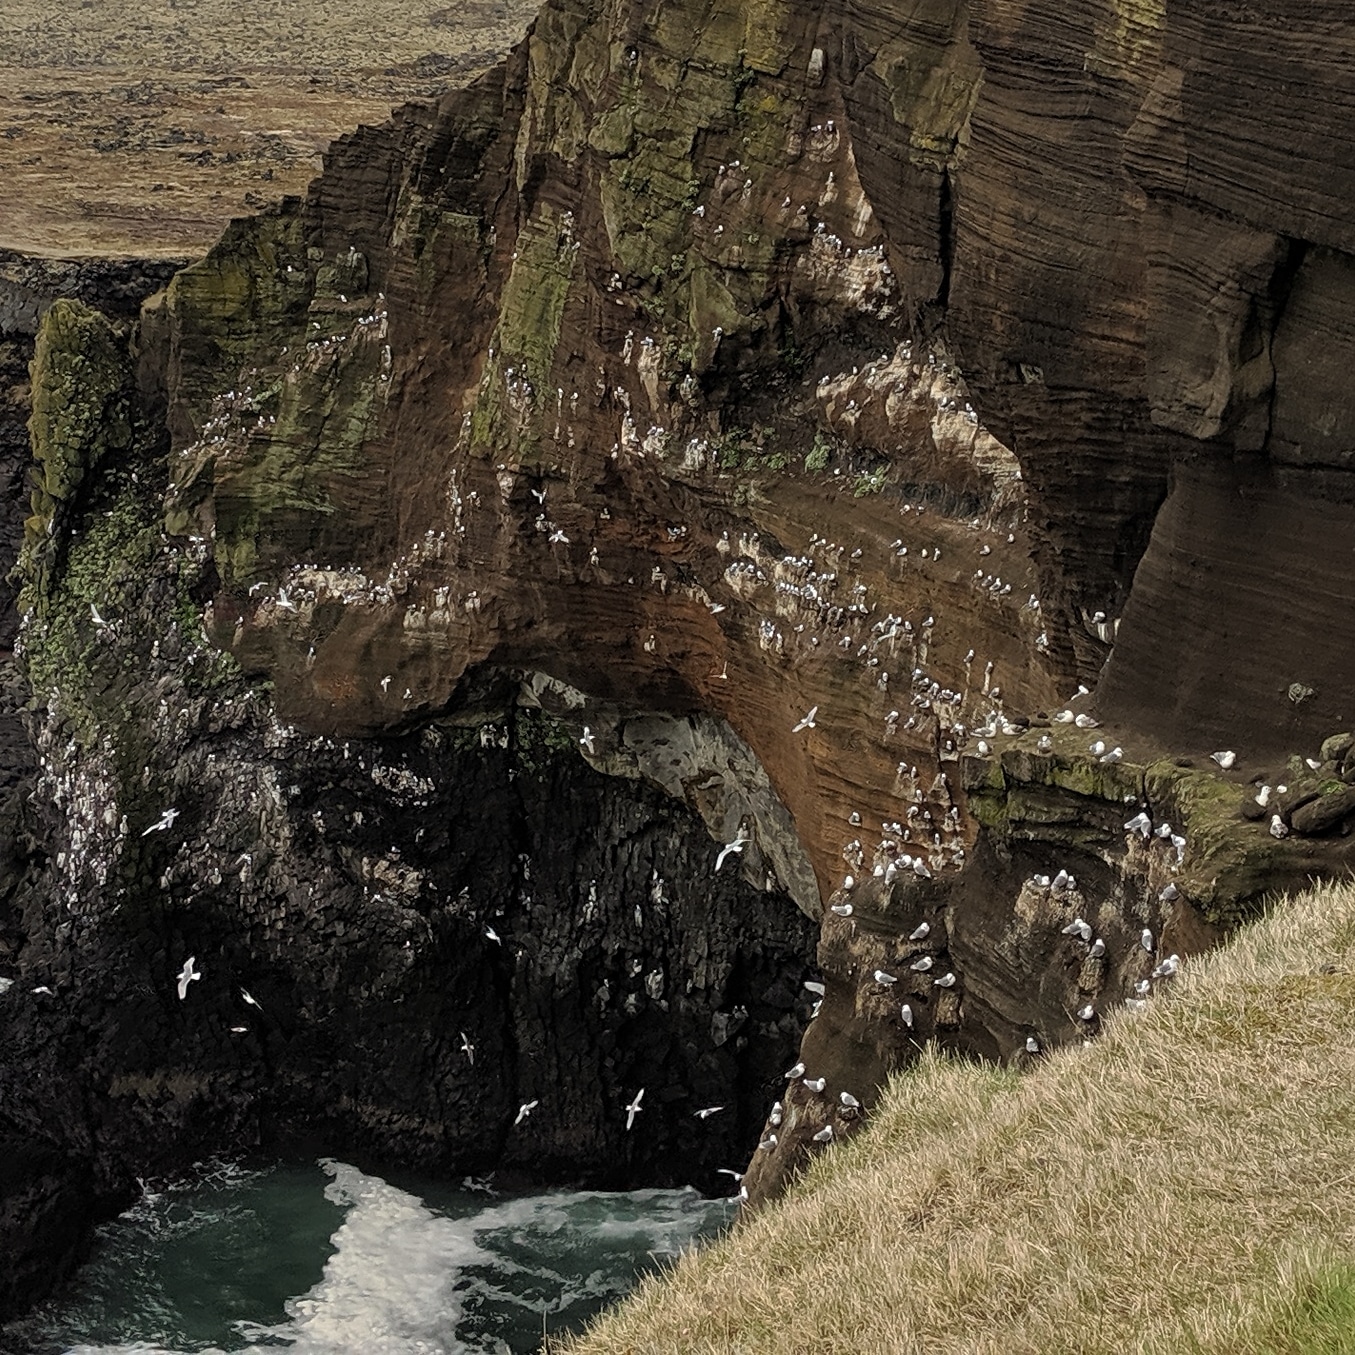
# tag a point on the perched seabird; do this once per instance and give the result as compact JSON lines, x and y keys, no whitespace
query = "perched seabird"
{"x":1225,"y":759}
{"x":1141,"y":824}
{"x":1077,"y":927}
{"x":849,"y":1101}
{"x":1044,"y":744}
{"x":467,"y":1049}
{"x":922,"y":964}
{"x":1032,"y":1045}
{"x":1060,"y":881}
{"x":633,"y":1109}
{"x":776,"y":1113}
{"x":1278,"y":827}
{"x":825,"y":1135}
{"x":1114,"y":755}
{"x":1087,"y":1013}
{"x":920,"y":932}
{"x":906,"y":1014}
{"x":707,"y":1111}
{"x":1169,"y":893}
{"x":1085,"y":722}
{"x":841,"y":909}
{"x":793,"y":1073}
{"x":886,"y":979}
{"x":816,"y":1084}
{"x":768,"y":1143}
{"x":187,"y":975}
{"x":586,"y":741}
{"x":163,"y":822}
{"x":945,"y":981}
{"x":1168,"y":967}
{"x":524,"y":1110}
{"x":1146,"y":940}
{"x":1098,"y":949}
{"x":807,"y":722}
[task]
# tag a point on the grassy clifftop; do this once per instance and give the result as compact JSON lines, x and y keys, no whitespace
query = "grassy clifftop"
{"x":1182,"y":1184}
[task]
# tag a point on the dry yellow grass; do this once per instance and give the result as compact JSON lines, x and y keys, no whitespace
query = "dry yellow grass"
{"x":139,"y":127}
{"x":1185,"y":1184}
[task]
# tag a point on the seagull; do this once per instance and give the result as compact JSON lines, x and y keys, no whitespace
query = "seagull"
{"x":807,"y":722}
{"x":706,"y":1112}
{"x":1097,"y":748}
{"x":825,"y":1135}
{"x":249,"y":998}
{"x":1098,"y":949}
{"x":1077,"y":927}
{"x":493,"y":936}
{"x":187,"y":975}
{"x":922,"y":964}
{"x":886,"y":979}
{"x":633,"y":1109}
{"x":1088,"y":1013}
{"x":816,"y":1084}
{"x":729,"y":1171}
{"x":1045,"y":744}
{"x":841,"y":909}
{"x":1141,"y":824}
{"x":1168,"y":967}
{"x":95,"y":617}
{"x":815,"y":987}
{"x":768,"y":1143}
{"x":467,"y":1049}
{"x":1064,"y":717}
{"x":920,"y":932}
{"x":1032,"y":1045}
{"x":524,"y":1110}
{"x":729,"y":849}
{"x":43,"y":988}
{"x":1169,"y":893}
{"x":164,"y":821}
{"x":906,"y":1012}
{"x":945,"y":981}
{"x":1060,"y":881}
{"x":775,"y":1114}
{"x":1278,"y":829}
{"x":793,"y":1073}
{"x":1114,"y":755}
{"x":849,"y":1100}
{"x":1085,"y":722}
{"x":1146,"y":940}
{"x":1263,"y":796}
{"x":586,"y":741}
{"x":1225,"y":759}
{"x":1143,"y":987}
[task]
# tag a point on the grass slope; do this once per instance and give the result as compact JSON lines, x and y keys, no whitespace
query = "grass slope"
{"x":1184,"y":1184}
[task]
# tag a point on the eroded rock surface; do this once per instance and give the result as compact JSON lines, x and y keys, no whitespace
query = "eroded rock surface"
{"x":801,"y":403}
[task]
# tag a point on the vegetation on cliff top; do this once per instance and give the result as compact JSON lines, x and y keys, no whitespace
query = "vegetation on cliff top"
{"x":1179,"y":1185}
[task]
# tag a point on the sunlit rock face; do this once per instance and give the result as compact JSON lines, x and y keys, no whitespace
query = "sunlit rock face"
{"x":797,"y":407}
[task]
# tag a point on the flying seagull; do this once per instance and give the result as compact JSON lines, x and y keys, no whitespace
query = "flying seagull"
{"x":633,"y":1109}
{"x":706,"y":1112}
{"x":187,"y":975}
{"x":249,"y":998}
{"x":524,"y":1110}
{"x":586,"y":741}
{"x":493,"y":936}
{"x":467,"y":1049}
{"x":808,"y":721}
{"x":729,"y":849}
{"x":164,"y":821}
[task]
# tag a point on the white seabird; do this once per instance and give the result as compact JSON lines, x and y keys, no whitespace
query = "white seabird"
{"x":1032,"y":1045}
{"x":250,"y":999}
{"x":793,"y":1073}
{"x":586,"y":741}
{"x":882,"y":977}
{"x":729,"y":849}
{"x":492,"y":935}
{"x":807,"y":722}
{"x":1146,"y":940}
{"x":825,"y":1135}
{"x":920,"y":932}
{"x":1225,"y":758}
{"x":849,"y":1101}
{"x":162,"y":823}
{"x":633,"y":1109}
{"x":906,"y":1014}
{"x":945,"y":981}
{"x":707,"y":1111}
{"x":187,"y":975}
{"x":816,"y":1084}
{"x":467,"y":1049}
{"x":524,"y":1110}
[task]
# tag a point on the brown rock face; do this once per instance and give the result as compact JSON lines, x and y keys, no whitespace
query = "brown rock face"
{"x":858,"y":381}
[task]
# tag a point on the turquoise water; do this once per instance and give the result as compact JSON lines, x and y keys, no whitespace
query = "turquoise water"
{"x":326,"y":1260}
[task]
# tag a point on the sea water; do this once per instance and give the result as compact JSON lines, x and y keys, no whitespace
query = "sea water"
{"x":323,"y":1259}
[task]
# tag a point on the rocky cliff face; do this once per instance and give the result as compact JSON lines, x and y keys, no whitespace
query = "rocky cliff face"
{"x":796,"y":404}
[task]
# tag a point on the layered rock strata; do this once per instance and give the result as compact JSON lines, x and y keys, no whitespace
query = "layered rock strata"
{"x":812,"y":399}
